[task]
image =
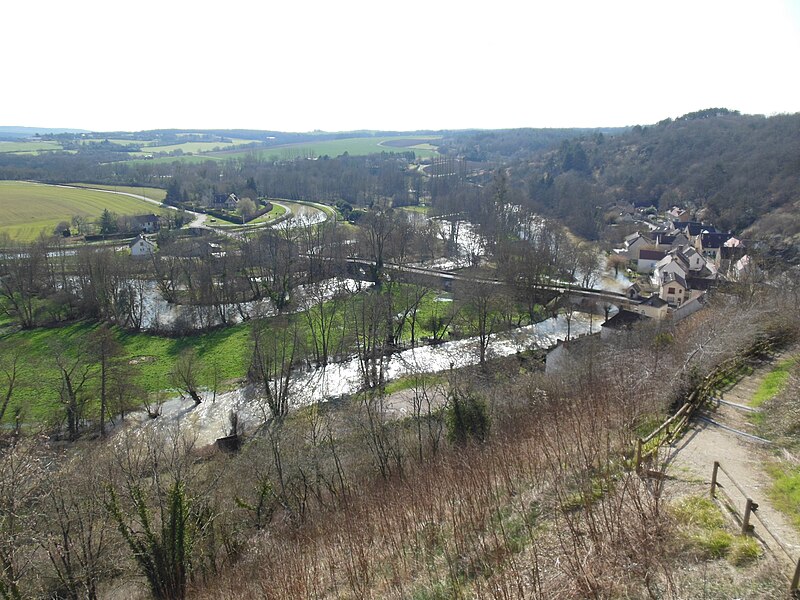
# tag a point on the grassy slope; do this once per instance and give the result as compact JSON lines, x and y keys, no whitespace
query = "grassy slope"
{"x":29,"y":208}
{"x":148,"y":192}
{"x":353,"y":146}
{"x":227,"y":348}
{"x":773,"y":382}
{"x":38,"y":393}
{"x":28,"y":147}
{"x":192,"y":146}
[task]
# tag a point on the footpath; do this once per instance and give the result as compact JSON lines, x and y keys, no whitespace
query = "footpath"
{"x":725,"y":434}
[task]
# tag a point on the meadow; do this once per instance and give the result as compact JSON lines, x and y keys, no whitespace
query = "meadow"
{"x":30,"y":208}
{"x":359,"y":146}
{"x":28,"y":147}
{"x":191,"y":146}
{"x":148,"y":192}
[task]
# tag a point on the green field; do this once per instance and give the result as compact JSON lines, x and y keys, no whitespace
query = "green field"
{"x":224,"y":348}
{"x":193,"y":147}
{"x":28,"y":147}
{"x":355,"y":146}
{"x":30,"y":208}
{"x":147,"y":192}
{"x":276,"y":212}
{"x":360,"y":146}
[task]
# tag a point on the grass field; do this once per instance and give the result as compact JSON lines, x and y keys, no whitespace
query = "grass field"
{"x":30,"y":208}
{"x":28,"y":147}
{"x":38,"y":395}
{"x":354,"y":146}
{"x":193,"y":147}
{"x":147,"y":192}
{"x":277,"y":211}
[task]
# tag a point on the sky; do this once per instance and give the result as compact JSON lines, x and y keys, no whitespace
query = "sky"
{"x":347,"y":65}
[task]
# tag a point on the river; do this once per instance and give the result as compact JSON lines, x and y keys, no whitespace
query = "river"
{"x":209,"y":420}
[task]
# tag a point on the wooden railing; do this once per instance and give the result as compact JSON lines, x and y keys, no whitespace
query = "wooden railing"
{"x":667,"y":431}
{"x":747,"y":528}
{"x":723,"y":373}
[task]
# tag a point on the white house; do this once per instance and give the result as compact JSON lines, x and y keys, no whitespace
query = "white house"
{"x":669,"y":264}
{"x":693,"y":258}
{"x":673,"y":289}
{"x":647,"y":260}
{"x":141,"y":246}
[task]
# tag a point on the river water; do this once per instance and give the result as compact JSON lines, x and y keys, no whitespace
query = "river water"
{"x":209,"y":420}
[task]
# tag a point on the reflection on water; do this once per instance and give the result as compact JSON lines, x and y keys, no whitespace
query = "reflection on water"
{"x":209,"y":420}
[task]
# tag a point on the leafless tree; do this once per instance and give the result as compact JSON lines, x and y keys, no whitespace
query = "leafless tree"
{"x":9,"y":370}
{"x":78,"y":532}
{"x":274,"y":349}
{"x":186,"y":374}
{"x":75,"y":370}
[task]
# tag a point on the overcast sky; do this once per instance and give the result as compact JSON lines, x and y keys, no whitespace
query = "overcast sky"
{"x":344,"y":65}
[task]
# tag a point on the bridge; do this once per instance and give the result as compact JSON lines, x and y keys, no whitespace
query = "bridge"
{"x":447,"y":278}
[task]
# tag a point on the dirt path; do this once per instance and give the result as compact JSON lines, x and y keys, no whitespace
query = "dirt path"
{"x":744,"y":458}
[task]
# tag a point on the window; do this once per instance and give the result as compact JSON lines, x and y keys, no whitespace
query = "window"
{"x":670,"y":290}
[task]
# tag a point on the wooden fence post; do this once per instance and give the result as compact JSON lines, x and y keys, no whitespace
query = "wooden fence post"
{"x":714,"y":479}
{"x":749,"y":507}
{"x":796,"y":581}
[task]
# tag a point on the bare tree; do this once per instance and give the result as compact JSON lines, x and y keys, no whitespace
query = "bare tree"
{"x":106,"y":349}
{"x":75,"y":371}
{"x":77,"y":534}
{"x":186,"y":374}
{"x":323,"y":306}
{"x":273,"y":361}
{"x":370,"y":321}
{"x":22,"y":469}
{"x":480,"y":301}
{"x":9,"y":362}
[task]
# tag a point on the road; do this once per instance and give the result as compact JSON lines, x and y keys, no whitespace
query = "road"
{"x":198,"y":219}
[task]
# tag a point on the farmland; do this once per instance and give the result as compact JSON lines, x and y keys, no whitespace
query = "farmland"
{"x":148,"y":192}
{"x":357,"y":146}
{"x":193,"y":147}
{"x":28,"y":147}
{"x":29,"y":208}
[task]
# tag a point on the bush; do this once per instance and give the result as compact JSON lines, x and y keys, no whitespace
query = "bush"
{"x":467,"y":418}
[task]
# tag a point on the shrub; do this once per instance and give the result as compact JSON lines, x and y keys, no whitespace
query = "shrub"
{"x":467,"y":418}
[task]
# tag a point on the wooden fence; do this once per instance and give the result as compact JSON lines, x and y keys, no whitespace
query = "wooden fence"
{"x":722,"y":375}
{"x":747,"y":528}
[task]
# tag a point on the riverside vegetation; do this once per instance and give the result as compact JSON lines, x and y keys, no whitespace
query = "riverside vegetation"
{"x":527,"y":493}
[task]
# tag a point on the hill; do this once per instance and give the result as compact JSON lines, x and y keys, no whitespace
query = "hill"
{"x":737,"y":171}
{"x":15,"y":132}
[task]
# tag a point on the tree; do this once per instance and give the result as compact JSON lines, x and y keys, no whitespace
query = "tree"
{"x":162,"y":517}
{"x":108,"y":222}
{"x":75,"y":371}
{"x":9,"y":362}
{"x":272,"y":362}
{"x":467,"y":417}
{"x":105,"y":349}
{"x":376,"y":229}
{"x":185,"y":374}
{"x":481,"y":303}
{"x":246,"y":208}
{"x":77,"y":531}
{"x":22,"y":471}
